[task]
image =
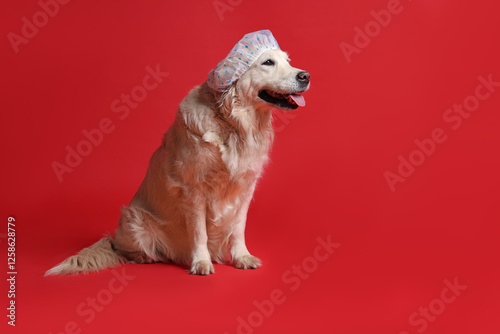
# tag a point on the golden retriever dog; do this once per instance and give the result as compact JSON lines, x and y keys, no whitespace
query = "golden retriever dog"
{"x":191,"y":208}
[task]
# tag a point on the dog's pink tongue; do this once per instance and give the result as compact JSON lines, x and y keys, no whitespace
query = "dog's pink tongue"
{"x":299,"y":99}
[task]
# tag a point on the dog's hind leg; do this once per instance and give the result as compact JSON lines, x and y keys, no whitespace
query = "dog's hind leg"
{"x":139,"y":237}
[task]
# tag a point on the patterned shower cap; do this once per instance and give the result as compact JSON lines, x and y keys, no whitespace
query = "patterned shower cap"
{"x":241,"y":57}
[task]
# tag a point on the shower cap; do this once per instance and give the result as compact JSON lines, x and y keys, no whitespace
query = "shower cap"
{"x":241,"y":57}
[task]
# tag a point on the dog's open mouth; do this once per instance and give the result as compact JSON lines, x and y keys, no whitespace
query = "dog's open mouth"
{"x":283,"y":101}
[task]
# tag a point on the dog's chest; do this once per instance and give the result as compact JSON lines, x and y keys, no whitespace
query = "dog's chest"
{"x":239,"y":156}
{"x":236,"y":168}
{"x":226,"y":192}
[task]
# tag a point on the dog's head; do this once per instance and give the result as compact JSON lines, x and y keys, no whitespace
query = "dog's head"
{"x":272,"y":81}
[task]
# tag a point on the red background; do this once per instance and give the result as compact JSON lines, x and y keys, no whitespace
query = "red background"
{"x":326,"y":177}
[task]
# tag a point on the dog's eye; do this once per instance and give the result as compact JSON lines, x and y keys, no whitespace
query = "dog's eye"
{"x":268,"y":62}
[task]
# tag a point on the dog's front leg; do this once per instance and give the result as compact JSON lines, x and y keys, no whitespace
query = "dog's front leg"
{"x":201,"y":263}
{"x":241,"y":257}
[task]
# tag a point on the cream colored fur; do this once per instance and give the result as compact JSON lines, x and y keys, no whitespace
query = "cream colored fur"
{"x":191,"y":207}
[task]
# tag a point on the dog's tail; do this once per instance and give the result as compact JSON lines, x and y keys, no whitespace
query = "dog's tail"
{"x":94,"y":258}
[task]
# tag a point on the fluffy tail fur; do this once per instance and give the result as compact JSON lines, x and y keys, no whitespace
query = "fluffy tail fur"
{"x":94,"y":258}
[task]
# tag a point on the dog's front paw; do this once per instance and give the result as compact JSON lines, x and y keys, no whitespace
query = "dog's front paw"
{"x":202,"y":268}
{"x":247,"y":262}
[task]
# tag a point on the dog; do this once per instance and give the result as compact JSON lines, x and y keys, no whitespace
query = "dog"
{"x":192,"y":205}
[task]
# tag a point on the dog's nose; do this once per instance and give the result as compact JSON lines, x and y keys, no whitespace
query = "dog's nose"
{"x":303,"y":77}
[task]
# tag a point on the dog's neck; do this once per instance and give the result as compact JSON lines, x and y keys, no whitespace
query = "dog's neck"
{"x":250,"y":120}
{"x":246,"y":120}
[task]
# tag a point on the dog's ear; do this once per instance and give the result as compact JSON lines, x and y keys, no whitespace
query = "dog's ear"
{"x":228,"y":99}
